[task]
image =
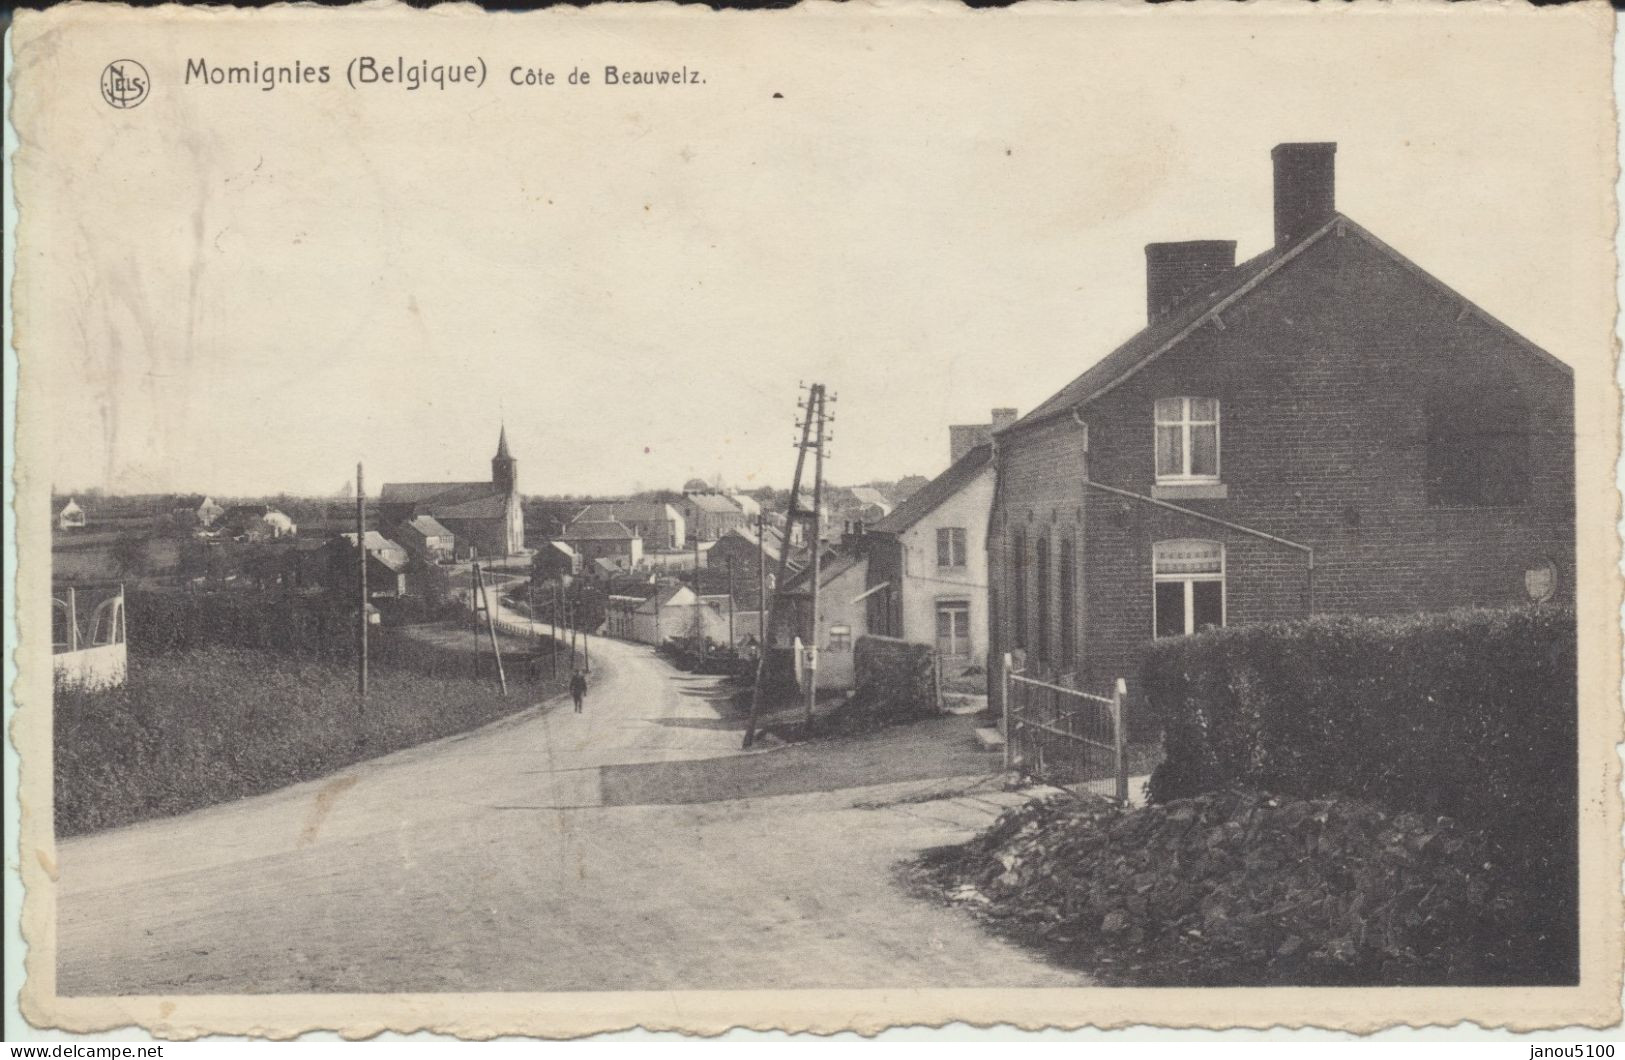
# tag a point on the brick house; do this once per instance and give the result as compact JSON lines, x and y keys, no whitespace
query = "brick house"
{"x":607,"y":540}
{"x":737,"y":551}
{"x":387,"y":564}
{"x":707,"y":516}
{"x":661,"y":526}
{"x":1324,"y":428}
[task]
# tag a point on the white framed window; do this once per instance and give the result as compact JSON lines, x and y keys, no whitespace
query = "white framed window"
{"x":1187,"y":587}
{"x":1187,"y":439}
{"x":950,"y":546}
{"x":840,"y":638}
{"x":953,"y":628}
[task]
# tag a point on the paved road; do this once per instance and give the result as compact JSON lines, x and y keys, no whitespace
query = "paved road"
{"x":495,"y":861}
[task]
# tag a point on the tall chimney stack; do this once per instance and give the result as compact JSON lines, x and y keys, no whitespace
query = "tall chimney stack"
{"x":1305,"y":189}
{"x":1175,"y":270}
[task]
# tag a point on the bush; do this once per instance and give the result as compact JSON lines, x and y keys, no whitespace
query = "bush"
{"x":162,"y":622}
{"x":895,"y":679}
{"x":1469,"y":714}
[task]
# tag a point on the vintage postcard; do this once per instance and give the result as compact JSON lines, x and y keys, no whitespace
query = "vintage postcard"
{"x":855,"y":516}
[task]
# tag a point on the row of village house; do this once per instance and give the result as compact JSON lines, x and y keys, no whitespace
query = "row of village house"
{"x":1323,"y":428}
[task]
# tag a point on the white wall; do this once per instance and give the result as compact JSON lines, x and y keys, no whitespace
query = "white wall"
{"x":835,"y":608}
{"x":103,"y":666}
{"x":925,"y":583}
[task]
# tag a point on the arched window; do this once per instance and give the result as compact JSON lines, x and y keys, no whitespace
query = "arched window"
{"x":1187,"y":586}
{"x":1041,"y":606}
{"x":1018,"y":587}
{"x":1068,"y":576}
{"x":1477,"y":447}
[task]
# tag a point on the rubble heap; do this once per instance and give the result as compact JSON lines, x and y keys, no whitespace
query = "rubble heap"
{"x":1237,"y":888}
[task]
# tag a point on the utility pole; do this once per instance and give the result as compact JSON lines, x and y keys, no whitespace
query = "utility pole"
{"x":570,"y":617}
{"x":761,"y":582}
{"x":733,"y":644}
{"x":586,"y":638}
{"x":558,"y":607}
{"x":812,"y":410}
{"x":361,"y":582}
{"x":817,"y":542}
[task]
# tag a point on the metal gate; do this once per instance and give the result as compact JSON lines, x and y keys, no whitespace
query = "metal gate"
{"x":1065,"y":737}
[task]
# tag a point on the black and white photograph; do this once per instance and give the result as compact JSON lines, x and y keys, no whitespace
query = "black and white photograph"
{"x":815,"y":520}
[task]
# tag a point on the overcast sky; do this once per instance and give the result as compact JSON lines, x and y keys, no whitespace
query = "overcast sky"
{"x":245,"y":292}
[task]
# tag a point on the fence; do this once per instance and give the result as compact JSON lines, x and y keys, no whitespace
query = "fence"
{"x":1065,"y":737}
{"x":87,"y":635}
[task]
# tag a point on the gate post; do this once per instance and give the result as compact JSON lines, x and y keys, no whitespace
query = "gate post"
{"x":1119,"y":739}
{"x":1004,"y":687}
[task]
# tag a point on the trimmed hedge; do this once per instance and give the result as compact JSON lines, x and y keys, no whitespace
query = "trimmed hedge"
{"x":895,"y":679}
{"x":1469,"y":714}
{"x":320,"y":624}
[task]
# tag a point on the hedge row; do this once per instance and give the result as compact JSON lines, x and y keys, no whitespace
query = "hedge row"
{"x":160,"y":623}
{"x":1468,"y":714}
{"x":894,"y":679}
{"x":318,"y":624}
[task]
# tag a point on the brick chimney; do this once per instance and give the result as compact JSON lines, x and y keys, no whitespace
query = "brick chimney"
{"x":1174,"y":270}
{"x":964,"y":437}
{"x":1305,"y":189}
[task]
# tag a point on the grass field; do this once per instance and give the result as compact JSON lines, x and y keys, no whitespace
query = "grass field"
{"x":198,"y":727}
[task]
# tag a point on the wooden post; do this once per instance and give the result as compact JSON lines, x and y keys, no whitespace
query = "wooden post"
{"x":1004,"y":688}
{"x":554,"y":625}
{"x":761,"y":582}
{"x":73,"y":620}
{"x":361,"y":568}
{"x":1119,"y":741}
{"x":733,"y":644}
{"x":491,"y":627}
{"x":790,"y":517}
{"x":817,"y":396}
{"x":586,"y":640}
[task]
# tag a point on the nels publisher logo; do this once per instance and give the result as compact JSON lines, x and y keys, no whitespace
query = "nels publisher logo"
{"x":124,"y":84}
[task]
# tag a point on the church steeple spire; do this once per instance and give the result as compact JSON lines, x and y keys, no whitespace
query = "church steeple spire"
{"x":504,"y":468}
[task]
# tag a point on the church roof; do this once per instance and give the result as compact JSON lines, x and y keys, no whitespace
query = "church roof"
{"x":502,"y":443}
{"x":493,"y":505}
{"x":440,"y":496}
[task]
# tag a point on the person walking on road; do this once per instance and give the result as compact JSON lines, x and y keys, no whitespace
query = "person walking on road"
{"x":578,"y":689}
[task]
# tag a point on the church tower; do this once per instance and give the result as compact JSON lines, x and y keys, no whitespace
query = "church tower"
{"x":504,"y":468}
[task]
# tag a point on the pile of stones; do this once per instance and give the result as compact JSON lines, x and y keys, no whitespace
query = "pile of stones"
{"x":1242,"y":888}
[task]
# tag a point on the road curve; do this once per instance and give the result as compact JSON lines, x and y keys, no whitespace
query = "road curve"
{"x":488,"y":861}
